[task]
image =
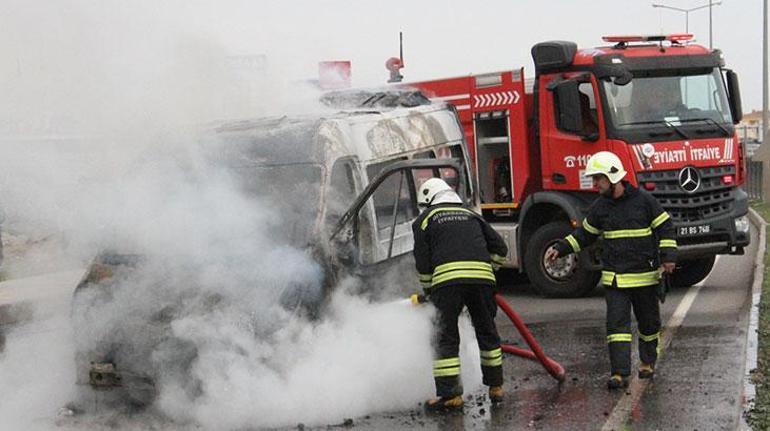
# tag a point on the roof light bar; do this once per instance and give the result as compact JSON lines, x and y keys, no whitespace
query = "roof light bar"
{"x":678,"y":37}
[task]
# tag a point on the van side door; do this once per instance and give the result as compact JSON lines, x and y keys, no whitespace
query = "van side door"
{"x":382,"y":232}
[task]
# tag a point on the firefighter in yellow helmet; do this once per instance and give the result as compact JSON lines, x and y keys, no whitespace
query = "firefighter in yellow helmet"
{"x":455,"y":252}
{"x":639,"y":244}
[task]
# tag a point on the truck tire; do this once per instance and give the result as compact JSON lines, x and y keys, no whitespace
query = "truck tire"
{"x":691,"y":272}
{"x":565,"y":278}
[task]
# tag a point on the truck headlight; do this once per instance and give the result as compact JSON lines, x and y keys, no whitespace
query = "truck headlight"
{"x":742,"y":224}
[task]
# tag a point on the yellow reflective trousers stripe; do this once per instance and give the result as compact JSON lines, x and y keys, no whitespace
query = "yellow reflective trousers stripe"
{"x":446,"y":367}
{"x":433,"y":212}
{"x":631,"y":279}
{"x":619,"y":338}
{"x":492,"y":358}
{"x":659,"y":220}
{"x":649,"y":338}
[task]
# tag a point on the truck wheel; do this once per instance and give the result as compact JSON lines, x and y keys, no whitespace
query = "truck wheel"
{"x":691,"y":272}
{"x":563,"y":278}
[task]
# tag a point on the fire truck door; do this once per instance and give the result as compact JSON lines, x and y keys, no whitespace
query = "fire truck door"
{"x":570,"y":132}
{"x":493,"y":156}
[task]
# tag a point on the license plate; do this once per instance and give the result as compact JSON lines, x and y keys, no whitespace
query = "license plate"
{"x":694,"y":230}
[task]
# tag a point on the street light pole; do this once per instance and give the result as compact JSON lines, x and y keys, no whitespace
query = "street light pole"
{"x":686,"y":13}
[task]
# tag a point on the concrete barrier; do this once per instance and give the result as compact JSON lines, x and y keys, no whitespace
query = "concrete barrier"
{"x":752,"y":336}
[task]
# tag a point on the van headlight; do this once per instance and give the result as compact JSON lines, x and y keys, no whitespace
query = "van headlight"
{"x":742,"y":224}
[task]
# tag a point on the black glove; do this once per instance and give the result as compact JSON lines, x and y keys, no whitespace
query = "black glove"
{"x":664,"y":286}
{"x":426,"y":291}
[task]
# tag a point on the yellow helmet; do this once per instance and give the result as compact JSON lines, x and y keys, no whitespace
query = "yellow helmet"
{"x":607,"y":164}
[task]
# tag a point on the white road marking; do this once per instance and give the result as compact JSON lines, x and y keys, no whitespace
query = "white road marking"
{"x":622,"y":410}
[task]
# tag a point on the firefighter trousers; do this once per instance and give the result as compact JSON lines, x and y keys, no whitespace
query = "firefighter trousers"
{"x":449,"y":301}
{"x":644,"y":301}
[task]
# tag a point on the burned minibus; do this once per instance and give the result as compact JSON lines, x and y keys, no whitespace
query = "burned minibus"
{"x":345,"y":186}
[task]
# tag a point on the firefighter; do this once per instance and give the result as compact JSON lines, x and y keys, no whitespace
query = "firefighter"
{"x":638,"y":244}
{"x":456,"y":253}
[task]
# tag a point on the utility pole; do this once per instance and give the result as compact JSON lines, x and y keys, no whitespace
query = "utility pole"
{"x":764,"y":71}
{"x":711,"y":39}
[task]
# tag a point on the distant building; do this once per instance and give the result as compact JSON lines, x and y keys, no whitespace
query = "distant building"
{"x":750,"y":127}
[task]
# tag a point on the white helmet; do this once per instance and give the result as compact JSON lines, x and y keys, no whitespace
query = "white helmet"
{"x":436,"y":191}
{"x":607,"y":164}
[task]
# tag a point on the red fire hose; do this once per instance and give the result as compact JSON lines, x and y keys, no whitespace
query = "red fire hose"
{"x":554,"y":368}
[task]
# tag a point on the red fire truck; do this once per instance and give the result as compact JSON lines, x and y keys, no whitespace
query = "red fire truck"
{"x":666,"y":106}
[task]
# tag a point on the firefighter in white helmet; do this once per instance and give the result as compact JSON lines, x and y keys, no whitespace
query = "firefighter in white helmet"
{"x":454,"y":251}
{"x":639,"y":243}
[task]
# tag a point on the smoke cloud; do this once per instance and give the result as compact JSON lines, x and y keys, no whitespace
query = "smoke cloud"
{"x":100,"y":125}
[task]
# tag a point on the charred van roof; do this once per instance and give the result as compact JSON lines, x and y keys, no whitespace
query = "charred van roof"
{"x":388,"y":98}
{"x":272,"y":140}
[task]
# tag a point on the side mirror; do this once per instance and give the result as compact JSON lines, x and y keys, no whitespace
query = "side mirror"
{"x":734,"y":94}
{"x":624,"y":78}
{"x":569,"y":110}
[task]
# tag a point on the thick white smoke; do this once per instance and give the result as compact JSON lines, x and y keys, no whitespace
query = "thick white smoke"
{"x":100,"y":118}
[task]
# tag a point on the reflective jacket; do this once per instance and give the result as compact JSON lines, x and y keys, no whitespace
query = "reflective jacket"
{"x":454,"y":245}
{"x":638,"y":235}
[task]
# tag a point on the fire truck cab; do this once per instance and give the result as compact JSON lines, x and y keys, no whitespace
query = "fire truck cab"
{"x":665,"y":106}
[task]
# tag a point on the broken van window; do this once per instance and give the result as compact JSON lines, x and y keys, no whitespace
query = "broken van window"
{"x":292,"y":191}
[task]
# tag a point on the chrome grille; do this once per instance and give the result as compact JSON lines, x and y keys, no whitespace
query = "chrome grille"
{"x":711,"y":199}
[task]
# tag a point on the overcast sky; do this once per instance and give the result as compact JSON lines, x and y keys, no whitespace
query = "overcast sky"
{"x":57,"y":49}
{"x":447,"y":38}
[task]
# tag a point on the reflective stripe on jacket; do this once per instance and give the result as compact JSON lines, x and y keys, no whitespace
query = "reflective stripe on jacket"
{"x":638,"y":235}
{"x":454,"y":245}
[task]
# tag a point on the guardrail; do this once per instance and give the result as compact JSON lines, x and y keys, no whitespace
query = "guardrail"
{"x":753,"y":185}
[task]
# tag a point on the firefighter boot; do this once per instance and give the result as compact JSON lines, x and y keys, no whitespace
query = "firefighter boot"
{"x":617,"y":382}
{"x":444,"y":404}
{"x":496,"y":394}
{"x":646,"y":371}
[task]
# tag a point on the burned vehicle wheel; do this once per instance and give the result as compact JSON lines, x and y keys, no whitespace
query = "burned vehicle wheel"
{"x":691,"y":272}
{"x":121,"y":352}
{"x":563,"y":278}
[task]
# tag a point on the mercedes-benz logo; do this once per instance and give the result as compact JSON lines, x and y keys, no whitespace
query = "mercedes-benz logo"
{"x":689,"y":179}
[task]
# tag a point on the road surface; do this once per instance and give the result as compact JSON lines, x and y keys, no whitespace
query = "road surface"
{"x":698,"y":382}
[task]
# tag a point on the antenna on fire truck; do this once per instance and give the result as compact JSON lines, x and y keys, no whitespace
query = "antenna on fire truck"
{"x":395,"y":64}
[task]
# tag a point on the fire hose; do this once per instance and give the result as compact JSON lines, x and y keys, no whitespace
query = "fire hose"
{"x":536,"y":354}
{"x":554,"y":368}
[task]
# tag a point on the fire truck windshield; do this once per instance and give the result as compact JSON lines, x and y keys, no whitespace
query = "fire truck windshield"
{"x":660,"y":105}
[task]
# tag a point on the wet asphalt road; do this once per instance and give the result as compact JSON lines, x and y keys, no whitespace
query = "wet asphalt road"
{"x":698,"y":383}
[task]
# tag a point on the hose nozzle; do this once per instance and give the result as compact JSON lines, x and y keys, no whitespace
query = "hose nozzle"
{"x":417,"y":299}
